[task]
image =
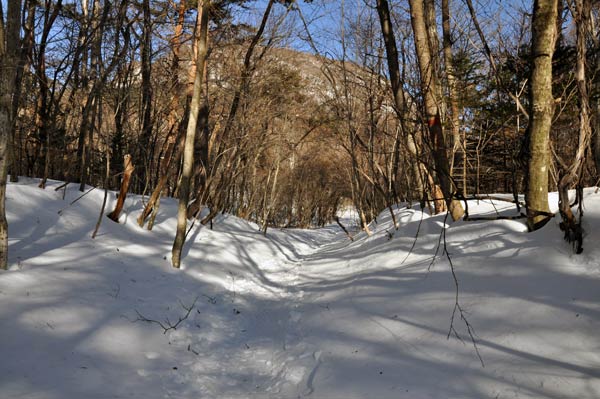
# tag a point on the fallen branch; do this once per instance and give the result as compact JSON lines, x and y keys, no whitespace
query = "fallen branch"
{"x":476,"y":218}
{"x":494,"y":197}
{"x":457,"y":306}
{"x":337,"y":220}
{"x":61,"y":186}
{"x":167,"y":325}
{"x":415,"y":240}
{"x":76,"y":199}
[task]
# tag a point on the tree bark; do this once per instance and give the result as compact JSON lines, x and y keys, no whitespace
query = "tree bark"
{"x":581,"y":14}
{"x":543,"y":36}
{"x":106,"y":183}
{"x":146,"y":149}
{"x":201,"y":38}
{"x":45,"y":124}
{"x":25,"y":55}
{"x":9,"y":40}
{"x":114,"y":215}
{"x":400,"y":107}
{"x":172,"y":138}
{"x":86,"y":132}
{"x":429,"y":89}
{"x":452,"y":92}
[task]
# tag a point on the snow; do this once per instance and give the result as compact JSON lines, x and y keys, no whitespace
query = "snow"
{"x":296,"y":313}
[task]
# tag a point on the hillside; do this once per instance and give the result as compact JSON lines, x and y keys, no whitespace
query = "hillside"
{"x":298,"y":313}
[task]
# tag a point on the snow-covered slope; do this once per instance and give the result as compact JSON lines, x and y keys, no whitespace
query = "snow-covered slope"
{"x":296,"y":313}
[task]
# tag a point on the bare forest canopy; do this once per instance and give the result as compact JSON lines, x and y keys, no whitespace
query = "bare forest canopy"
{"x":417,"y":101}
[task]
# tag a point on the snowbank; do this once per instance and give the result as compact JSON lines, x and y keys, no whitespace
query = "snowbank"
{"x":296,"y":313}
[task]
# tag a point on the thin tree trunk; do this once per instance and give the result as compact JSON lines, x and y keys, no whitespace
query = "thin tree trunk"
{"x":146,"y":147}
{"x":543,"y":38}
{"x":171,"y":157}
{"x":429,"y":89}
{"x":114,"y":215}
{"x":106,"y":183}
{"x":172,"y":140}
{"x":269,"y":202}
{"x":43,"y":117}
{"x":451,"y":79}
{"x":400,"y":106}
{"x":86,"y":134}
{"x":154,"y":213}
{"x":25,"y":58}
{"x":201,"y":38}
{"x":573,"y":233}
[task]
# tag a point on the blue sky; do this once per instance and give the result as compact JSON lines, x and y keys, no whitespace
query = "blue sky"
{"x":324,"y":17}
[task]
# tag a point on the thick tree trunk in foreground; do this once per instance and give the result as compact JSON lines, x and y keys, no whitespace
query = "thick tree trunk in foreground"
{"x":543,"y":38}
{"x":114,"y":215}
{"x":201,"y":38}
{"x":430,"y":88}
{"x":9,"y":41}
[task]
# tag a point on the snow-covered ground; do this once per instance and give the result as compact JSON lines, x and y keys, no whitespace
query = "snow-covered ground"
{"x":296,"y":313}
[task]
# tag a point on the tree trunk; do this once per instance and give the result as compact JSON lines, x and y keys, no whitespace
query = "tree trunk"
{"x":543,"y":36}
{"x":429,"y":89}
{"x":268,"y":202}
{"x":452,"y":92}
{"x":9,"y":42}
{"x":86,"y":133}
{"x":400,"y":107}
{"x":114,"y":215}
{"x":106,"y":183}
{"x":573,"y":233}
{"x":201,"y":38}
{"x":172,"y":140}
{"x":596,"y":140}
{"x":45,"y":124}
{"x":25,"y":56}
{"x":146,"y":144}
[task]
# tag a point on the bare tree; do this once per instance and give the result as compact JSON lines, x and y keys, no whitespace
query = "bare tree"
{"x":9,"y":42}
{"x":543,"y":38}
{"x":402,"y":110}
{"x":430,"y":90}
{"x":581,"y":11}
{"x":201,"y":38}
{"x":173,"y":149}
{"x":146,"y":150}
{"x":114,"y":215}
{"x":452,"y":91}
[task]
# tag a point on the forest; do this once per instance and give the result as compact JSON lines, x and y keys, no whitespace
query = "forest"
{"x":424,"y":102}
{"x":299,"y":198}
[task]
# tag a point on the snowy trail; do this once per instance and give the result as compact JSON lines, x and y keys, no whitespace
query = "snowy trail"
{"x":298,"y":313}
{"x":372,"y":325}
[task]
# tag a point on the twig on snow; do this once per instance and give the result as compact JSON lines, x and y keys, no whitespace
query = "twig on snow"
{"x":77,"y":199}
{"x":457,"y":307}
{"x":415,"y":240}
{"x":167,"y":325}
